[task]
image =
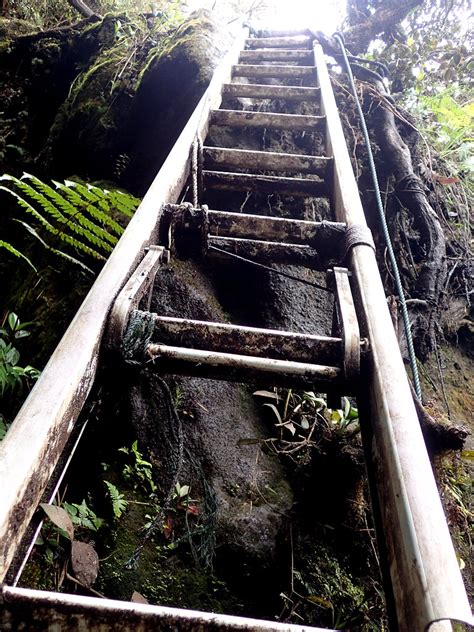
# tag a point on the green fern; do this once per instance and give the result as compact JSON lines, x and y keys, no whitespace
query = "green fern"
{"x":14,"y":251}
{"x":119,"y":504}
{"x":78,"y":222}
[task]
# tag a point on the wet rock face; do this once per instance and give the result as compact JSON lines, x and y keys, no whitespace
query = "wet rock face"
{"x":107,"y":100}
{"x":222,"y":457}
{"x":170,"y":87}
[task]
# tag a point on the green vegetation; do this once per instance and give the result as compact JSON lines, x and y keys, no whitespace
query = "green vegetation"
{"x":14,"y":379}
{"x":138,"y":471}
{"x":72,"y":220}
{"x":301,"y":417}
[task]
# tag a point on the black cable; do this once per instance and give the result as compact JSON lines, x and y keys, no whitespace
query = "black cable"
{"x":270,"y":269}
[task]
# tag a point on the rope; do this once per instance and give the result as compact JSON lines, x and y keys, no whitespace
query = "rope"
{"x":177,"y":432}
{"x":270,"y":269}
{"x":357,"y":235}
{"x":383,"y":221}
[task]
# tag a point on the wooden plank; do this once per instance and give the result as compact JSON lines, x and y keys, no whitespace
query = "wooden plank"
{"x":293,"y":41}
{"x":42,"y":611}
{"x":296,"y":231}
{"x":31,"y":449}
{"x":267,"y":251}
{"x":265,"y":160}
{"x":299,"y":187}
{"x":425,"y":574}
{"x":270,"y":120}
{"x":267,"y":343}
{"x":275,"y":54}
{"x":278,"y":72}
{"x":261,"y":91}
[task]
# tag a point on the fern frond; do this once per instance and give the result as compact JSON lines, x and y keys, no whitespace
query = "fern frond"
{"x":55,"y":251}
{"x":43,"y":201}
{"x":72,"y":241}
{"x":82,"y":217}
{"x":122,"y":204}
{"x":95,"y":234}
{"x":119,"y":504}
{"x":12,"y":250}
{"x":98,"y":214}
{"x":30,"y":209}
{"x":92,"y":194}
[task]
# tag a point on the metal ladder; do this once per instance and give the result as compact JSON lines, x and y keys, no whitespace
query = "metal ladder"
{"x":361,"y":357}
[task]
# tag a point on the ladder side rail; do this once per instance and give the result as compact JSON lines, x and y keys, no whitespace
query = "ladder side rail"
{"x":424,"y":571}
{"x":26,"y":609}
{"x":33,"y":445}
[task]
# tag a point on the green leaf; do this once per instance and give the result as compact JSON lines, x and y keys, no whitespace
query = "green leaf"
{"x":12,"y":250}
{"x":119,"y":504}
{"x":275,"y":411}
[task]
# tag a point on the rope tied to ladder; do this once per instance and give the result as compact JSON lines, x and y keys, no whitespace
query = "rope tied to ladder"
{"x":357,"y":235}
{"x":383,"y":221}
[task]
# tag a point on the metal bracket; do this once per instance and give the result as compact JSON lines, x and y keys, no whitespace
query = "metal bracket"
{"x":136,"y":288}
{"x":345,"y":322}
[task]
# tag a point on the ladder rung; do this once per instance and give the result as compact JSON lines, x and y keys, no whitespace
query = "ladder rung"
{"x":295,"y":41}
{"x":282,"y":32}
{"x":255,"y":70}
{"x":300,"y":187}
{"x":275,"y":54}
{"x":267,"y":343}
{"x":297,"y":231}
{"x":261,"y":91}
{"x":240,"y":368}
{"x":239,"y":118}
{"x":268,"y":251}
{"x":265,"y":160}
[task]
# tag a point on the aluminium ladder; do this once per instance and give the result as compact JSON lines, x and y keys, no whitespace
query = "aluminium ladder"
{"x":424,"y":575}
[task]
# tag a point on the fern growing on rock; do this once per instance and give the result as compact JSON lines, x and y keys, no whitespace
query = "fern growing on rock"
{"x":78,"y":222}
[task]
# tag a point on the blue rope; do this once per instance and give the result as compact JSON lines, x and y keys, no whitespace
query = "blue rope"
{"x":388,"y":241}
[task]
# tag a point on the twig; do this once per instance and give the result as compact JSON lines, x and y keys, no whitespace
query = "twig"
{"x":91,"y":590}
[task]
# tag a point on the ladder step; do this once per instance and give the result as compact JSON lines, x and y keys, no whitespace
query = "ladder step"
{"x":261,"y":91}
{"x":275,"y":54}
{"x":320,"y":235}
{"x":268,"y":251}
{"x":299,"y":187}
{"x":294,"y":41}
{"x":233,"y":367}
{"x":278,"y":72}
{"x":265,"y":160}
{"x":282,"y":32}
{"x":253,"y":341}
{"x":239,"y":118}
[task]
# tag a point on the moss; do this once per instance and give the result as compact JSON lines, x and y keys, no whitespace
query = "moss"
{"x":332,"y":596}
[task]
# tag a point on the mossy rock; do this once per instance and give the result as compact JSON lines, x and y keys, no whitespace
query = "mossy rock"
{"x":173,"y":80}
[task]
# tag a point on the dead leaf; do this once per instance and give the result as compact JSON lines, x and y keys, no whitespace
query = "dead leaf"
{"x":193,"y":510}
{"x":60,"y":518}
{"x":137,"y":598}
{"x":85,"y":562}
{"x":268,"y":394}
{"x":248,"y":441}
{"x":168,"y":527}
{"x":444,"y":179}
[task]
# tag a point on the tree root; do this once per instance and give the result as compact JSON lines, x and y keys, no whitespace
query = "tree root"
{"x":439,"y":437}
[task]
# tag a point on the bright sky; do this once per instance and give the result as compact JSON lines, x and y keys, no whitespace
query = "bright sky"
{"x":319,"y":15}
